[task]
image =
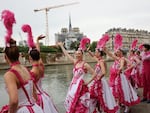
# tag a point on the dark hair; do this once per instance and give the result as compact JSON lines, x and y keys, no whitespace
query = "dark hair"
{"x":123,"y":51}
{"x":82,"y":51}
{"x":101,"y":52}
{"x":138,"y":52}
{"x":35,"y":54}
{"x":133,"y":50}
{"x":12,"y":52}
{"x":147,"y":46}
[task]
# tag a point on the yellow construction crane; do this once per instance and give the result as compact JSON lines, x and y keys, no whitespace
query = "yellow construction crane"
{"x":46,"y":12}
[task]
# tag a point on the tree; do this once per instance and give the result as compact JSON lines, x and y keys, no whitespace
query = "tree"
{"x":93,"y":46}
{"x":74,"y":45}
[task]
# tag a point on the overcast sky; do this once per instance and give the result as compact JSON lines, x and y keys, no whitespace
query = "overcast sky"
{"x":93,"y":17}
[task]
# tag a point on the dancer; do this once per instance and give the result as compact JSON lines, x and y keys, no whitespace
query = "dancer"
{"x":37,"y":71}
{"x":78,"y":96}
{"x":99,"y":89}
{"x":123,"y":90}
{"x":132,"y":71}
{"x":146,"y":73}
{"x":139,"y":66}
{"x":19,"y":84}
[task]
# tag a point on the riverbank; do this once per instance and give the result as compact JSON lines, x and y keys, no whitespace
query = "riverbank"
{"x":5,"y":66}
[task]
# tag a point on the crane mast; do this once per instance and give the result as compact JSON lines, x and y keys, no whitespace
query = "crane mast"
{"x":46,"y":9}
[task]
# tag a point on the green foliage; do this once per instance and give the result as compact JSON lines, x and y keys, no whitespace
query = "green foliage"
{"x":44,"y":49}
{"x":74,"y":45}
{"x":93,"y":46}
{"x":1,"y":49}
{"x":48,"y":49}
{"x":54,"y":49}
{"x":23,"y":49}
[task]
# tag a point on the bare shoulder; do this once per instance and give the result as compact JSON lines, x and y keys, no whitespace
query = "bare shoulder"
{"x":86,"y":64}
{"x":123,"y":58}
{"x":9,"y":75}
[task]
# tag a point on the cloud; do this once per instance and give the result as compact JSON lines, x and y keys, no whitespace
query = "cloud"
{"x":93,"y":17}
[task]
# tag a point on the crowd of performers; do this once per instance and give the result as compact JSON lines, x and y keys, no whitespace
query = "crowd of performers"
{"x":93,"y":95}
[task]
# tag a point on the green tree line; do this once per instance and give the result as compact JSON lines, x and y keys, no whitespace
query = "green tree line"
{"x":53,"y":49}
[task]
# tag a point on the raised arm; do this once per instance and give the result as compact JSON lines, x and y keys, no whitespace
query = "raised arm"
{"x":110,"y":54}
{"x":38,"y":45}
{"x":37,"y":41}
{"x":65,"y":52}
{"x":92,"y":72}
{"x":132,"y":65}
{"x":92,"y":55}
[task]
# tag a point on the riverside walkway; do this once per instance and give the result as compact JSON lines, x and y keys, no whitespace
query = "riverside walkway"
{"x":141,"y":107}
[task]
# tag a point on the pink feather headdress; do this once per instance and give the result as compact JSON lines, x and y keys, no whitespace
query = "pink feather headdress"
{"x":27,"y":29}
{"x":8,"y":19}
{"x":134,"y":43}
{"x":140,"y":47}
{"x":118,"y":42}
{"x":83,"y":43}
{"x":102,"y":42}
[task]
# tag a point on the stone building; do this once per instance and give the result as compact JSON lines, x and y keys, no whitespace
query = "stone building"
{"x":128,"y":35}
{"x":69,"y":35}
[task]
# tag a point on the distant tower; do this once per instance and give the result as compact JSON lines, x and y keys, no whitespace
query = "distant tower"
{"x":70,"y":26}
{"x":69,"y":35}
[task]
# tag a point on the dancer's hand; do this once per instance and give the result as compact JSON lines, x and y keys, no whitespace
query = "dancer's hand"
{"x":40,"y":37}
{"x":60,"y":43}
{"x":88,"y":49}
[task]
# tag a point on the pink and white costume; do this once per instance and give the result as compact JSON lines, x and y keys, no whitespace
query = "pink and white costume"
{"x":139,"y":73}
{"x":78,"y":96}
{"x":26,"y":102}
{"x":134,"y":74}
{"x":146,"y":74}
{"x":123,"y":89}
{"x":44,"y":100}
{"x":113,"y":75}
{"x":101,"y":93}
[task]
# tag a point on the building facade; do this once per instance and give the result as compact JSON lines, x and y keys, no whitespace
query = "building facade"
{"x":128,"y":35}
{"x":68,"y":36}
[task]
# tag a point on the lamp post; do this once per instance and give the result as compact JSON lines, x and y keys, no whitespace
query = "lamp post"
{"x":112,"y":37}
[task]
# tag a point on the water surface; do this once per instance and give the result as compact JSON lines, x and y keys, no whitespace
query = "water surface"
{"x":55,"y":83}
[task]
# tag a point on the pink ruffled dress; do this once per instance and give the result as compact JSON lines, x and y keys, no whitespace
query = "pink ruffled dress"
{"x":146,"y":74}
{"x":78,"y":96}
{"x":101,"y":93}
{"x":139,"y":74}
{"x":134,"y":74}
{"x":123,"y":89}
{"x":44,"y":100}
{"x":113,"y":75}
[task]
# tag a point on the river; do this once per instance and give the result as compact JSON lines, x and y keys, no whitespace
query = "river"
{"x":55,"y":83}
